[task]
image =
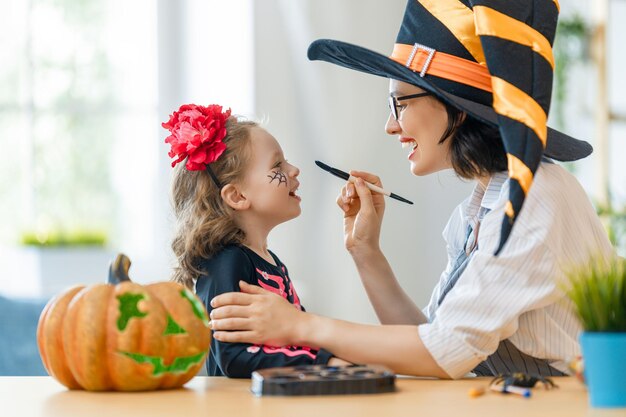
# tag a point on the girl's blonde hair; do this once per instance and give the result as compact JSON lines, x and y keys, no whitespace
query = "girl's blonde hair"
{"x":204,"y":222}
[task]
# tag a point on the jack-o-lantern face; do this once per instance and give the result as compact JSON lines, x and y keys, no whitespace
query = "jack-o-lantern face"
{"x":125,"y":337}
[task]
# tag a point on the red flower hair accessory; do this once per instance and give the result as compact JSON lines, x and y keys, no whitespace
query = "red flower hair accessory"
{"x":197,"y":133}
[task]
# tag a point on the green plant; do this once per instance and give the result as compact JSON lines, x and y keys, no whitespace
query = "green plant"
{"x":598,"y":290}
{"x":64,"y":238}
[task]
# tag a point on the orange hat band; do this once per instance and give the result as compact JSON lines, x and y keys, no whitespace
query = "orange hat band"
{"x":425,"y":60}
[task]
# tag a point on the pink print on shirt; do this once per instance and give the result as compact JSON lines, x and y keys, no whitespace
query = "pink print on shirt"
{"x":277,"y":279}
{"x":292,"y":291}
{"x":290,"y":351}
{"x":281,"y":286}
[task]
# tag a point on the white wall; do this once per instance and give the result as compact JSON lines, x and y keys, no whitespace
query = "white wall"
{"x":321,"y":111}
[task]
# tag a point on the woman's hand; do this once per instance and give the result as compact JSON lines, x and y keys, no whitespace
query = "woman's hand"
{"x":363,"y":214}
{"x":255,"y":316}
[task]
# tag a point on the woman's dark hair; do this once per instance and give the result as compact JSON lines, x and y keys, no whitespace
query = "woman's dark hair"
{"x":476,"y":148}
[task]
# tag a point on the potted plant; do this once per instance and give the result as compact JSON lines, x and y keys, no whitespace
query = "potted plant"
{"x":57,"y":258}
{"x":598,"y":291}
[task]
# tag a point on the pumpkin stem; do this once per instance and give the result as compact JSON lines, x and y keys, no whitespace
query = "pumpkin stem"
{"x":118,"y":271}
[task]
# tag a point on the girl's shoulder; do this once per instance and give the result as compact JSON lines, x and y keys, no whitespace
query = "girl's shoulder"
{"x":222,"y":272}
{"x":230,"y":256}
{"x":259,"y":261}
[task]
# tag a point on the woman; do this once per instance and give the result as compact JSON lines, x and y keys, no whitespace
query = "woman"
{"x":497,"y":307}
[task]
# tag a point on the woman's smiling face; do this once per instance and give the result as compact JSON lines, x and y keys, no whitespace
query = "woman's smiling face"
{"x":421,"y":123}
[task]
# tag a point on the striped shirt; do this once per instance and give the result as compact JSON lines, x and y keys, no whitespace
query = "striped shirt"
{"x":516,"y":295}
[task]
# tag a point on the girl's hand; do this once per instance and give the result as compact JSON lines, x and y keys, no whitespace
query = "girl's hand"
{"x":363,"y":213}
{"x":255,"y":316}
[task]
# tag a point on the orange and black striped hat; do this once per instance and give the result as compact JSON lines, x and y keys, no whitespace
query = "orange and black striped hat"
{"x":490,"y":58}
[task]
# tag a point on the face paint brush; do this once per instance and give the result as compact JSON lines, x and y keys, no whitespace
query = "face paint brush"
{"x":347,"y":177}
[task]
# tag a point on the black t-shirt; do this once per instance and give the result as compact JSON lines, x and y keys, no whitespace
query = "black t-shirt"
{"x":222,"y":274}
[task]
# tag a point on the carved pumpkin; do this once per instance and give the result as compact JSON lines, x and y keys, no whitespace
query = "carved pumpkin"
{"x":124,"y":336}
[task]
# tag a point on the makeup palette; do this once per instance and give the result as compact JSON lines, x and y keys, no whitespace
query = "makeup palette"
{"x":323,"y":380}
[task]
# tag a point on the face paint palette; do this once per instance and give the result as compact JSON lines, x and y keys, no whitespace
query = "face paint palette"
{"x":323,"y":380}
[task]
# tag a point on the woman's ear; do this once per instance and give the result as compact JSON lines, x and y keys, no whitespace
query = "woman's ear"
{"x":233,"y":196}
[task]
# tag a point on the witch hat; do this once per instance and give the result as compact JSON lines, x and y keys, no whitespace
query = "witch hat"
{"x":490,"y":58}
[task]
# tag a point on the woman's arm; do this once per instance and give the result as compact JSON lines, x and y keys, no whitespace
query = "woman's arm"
{"x":363,"y":214}
{"x":391,"y":303}
{"x":258,"y":316}
{"x":398,"y":347}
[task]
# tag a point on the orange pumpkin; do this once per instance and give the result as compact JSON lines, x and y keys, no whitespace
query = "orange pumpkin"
{"x":124,"y":336}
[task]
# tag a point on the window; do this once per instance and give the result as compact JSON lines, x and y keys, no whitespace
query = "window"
{"x":78,"y":96}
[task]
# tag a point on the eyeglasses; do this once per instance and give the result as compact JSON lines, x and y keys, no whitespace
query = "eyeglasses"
{"x":394,"y":105}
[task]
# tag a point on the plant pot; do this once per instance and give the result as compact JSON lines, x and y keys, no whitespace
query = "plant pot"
{"x":42,"y":272}
{"x":604,"y":355}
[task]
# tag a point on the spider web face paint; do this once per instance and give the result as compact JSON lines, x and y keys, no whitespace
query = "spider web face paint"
{"x":278,"y":175}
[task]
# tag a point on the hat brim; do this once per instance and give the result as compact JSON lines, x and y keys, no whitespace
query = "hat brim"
{"x":560,"y":146}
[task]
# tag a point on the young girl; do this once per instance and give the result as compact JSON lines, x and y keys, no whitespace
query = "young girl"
{"x":234,"y":187}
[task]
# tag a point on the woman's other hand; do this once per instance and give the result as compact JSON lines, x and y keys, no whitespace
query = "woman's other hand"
{"x":363,"y":214}
{"x":255,"y":316}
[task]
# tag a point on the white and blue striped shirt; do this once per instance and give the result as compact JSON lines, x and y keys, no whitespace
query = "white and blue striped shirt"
{"x":516,"y":295}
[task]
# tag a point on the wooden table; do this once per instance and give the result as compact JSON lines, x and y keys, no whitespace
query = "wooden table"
{"x":211,"y":396}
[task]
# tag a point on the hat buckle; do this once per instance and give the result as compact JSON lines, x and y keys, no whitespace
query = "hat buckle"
{"x":429,"y":50}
